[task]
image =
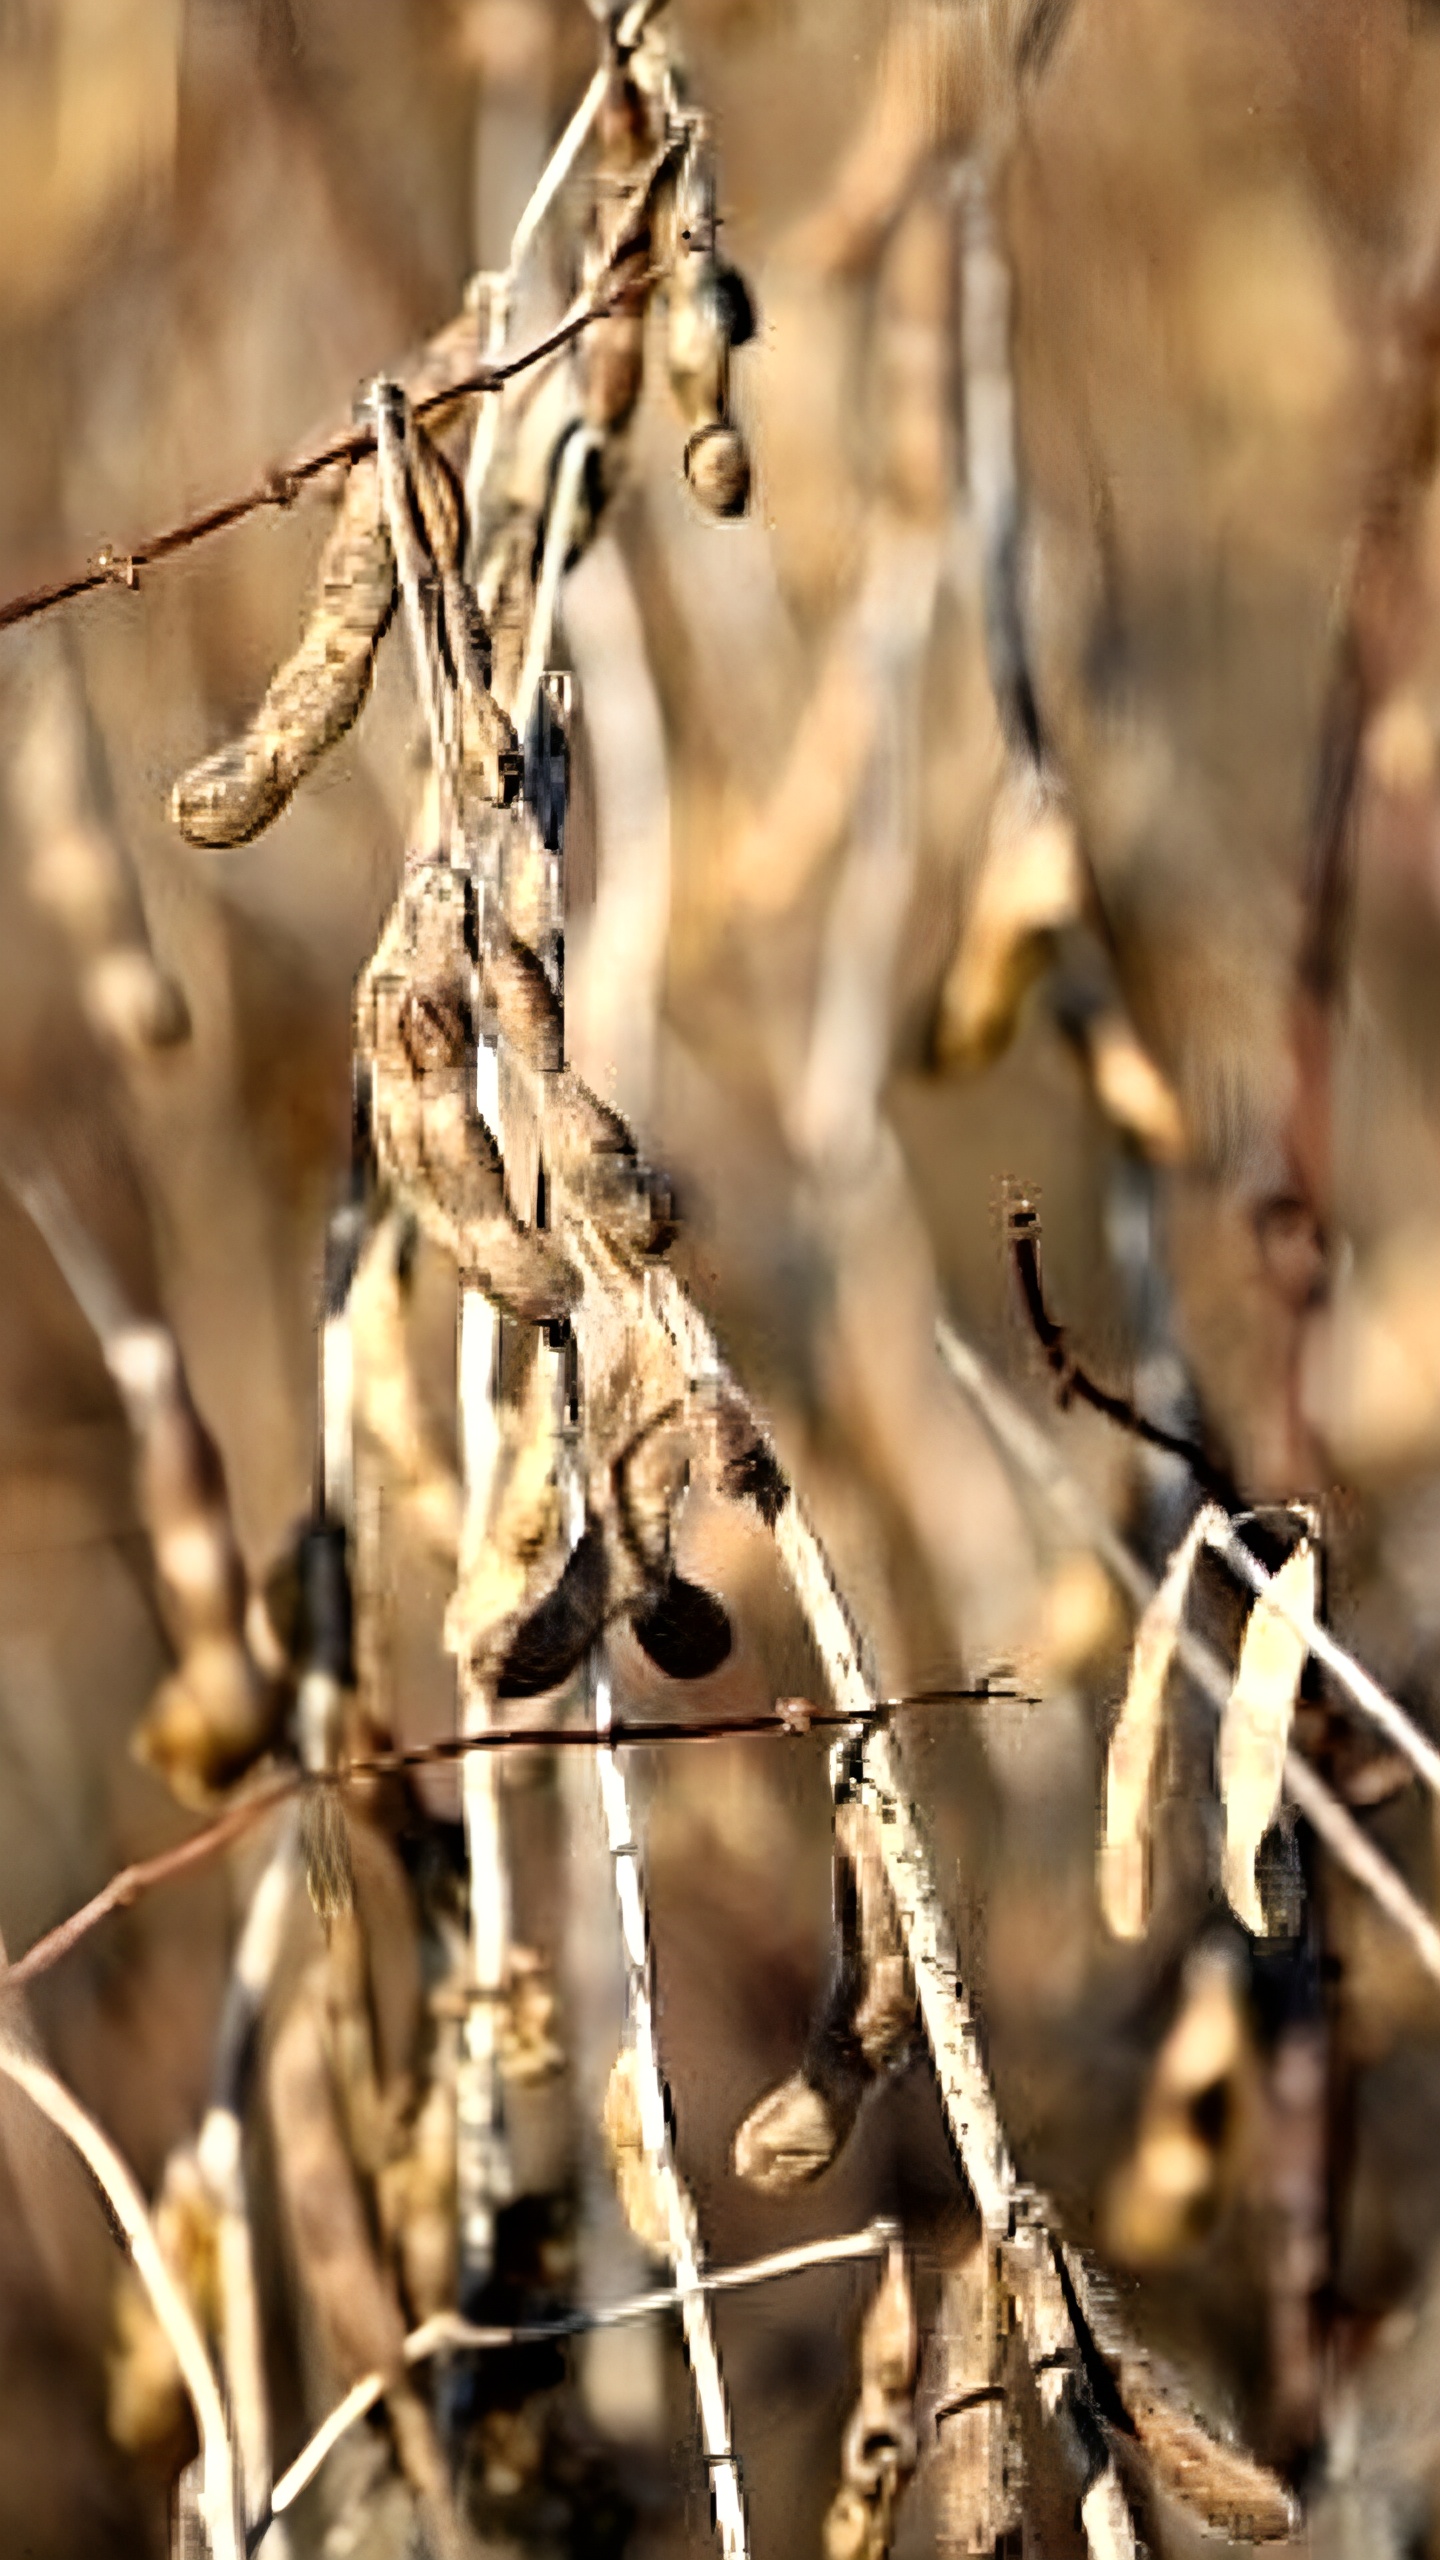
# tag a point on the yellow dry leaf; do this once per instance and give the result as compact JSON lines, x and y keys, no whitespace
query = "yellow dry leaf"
{"x":1135,"y":1742}
{"x":1255,"y":1727}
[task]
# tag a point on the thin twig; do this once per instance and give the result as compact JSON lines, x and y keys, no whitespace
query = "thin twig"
{"x":173,"y":2312}
{"x":448,"y":2331}
{"x":1357,"y":1683}
{"x":280,"y":485}
{"x":1075,"y":1382}
{"x":673,"y":2197}
{"x":1082,"y":1516}
{"x":131,"y":1882}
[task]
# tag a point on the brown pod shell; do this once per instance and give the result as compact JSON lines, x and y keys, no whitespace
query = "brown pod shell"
{"x":230,"y":795}
{"x":717,"y":466}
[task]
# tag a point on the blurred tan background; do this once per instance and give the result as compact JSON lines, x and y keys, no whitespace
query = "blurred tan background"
{"x":217,"y":218}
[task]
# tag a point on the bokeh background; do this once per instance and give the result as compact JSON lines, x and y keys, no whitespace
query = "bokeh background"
{"x":1164,"y":287}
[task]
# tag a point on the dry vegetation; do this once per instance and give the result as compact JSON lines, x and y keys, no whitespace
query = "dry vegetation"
{"x":855,"y":1711}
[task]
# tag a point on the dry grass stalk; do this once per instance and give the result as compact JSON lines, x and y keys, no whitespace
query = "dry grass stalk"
{"x":668,"y":2198}
{"x":218,"y":2488}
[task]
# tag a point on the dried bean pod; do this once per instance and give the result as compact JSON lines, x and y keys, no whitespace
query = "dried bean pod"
{"x":413,"y":1025}
{"x":230,"y":795}
{"x":612,"y":356}
{"x":709,"y":313}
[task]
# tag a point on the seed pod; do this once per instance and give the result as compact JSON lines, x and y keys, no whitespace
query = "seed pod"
{"x":709,"y":313}
{"x":148,"y":2411}
{"x":388,"y":1404}
{"x":612,"y":350}
{"x":1166,"y":2195}
{"x":216,"y":1712}
{"x":642,"y":2199}
{"x":586,"y":1147}
{"x":1255,"y":1726}
{"x":414,"y":1026}
{"x":878,"y":2450}
{"x":1135,"y":1743}
{"x":230,"y":795}
{"x":863,"y":2029}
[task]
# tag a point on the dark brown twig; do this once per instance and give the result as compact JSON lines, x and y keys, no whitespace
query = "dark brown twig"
{"x":131,"y":1882}
{"x":280,"y":484}
{"x":1023,"y":1229}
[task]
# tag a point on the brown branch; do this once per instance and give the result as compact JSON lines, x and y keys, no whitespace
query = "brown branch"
{"x":281,"y":483}
{"x":789,"y":1724}
{"x":1023,"y":1229}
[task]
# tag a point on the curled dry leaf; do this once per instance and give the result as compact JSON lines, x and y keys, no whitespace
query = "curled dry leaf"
{"x":1131,"y":1763}
{"x":1255,"y":1727}
{"x":231,"y":794}
{"x":642,"y":2199}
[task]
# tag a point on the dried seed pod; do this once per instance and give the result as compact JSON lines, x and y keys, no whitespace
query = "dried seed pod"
{"x":529,"y":2044}
{"x":1255,"y":1727}
{"x":216,"y":1713}
{"x":1166,"y":2195}
{"x":80,"y":870}
{"x":709,"y":313}
{"x":520,"y":1604}
{"x":1031,"y":884}
{"x":354,"y":2301}
{"x":787,"y":2139}
{"x":387,"y":1398}
{"x":878,"y":2450}
{"x":863,"y":2029}
{"x":230,"y":795}
{"x":148,"y":2411}
{"x":641,"y":2198}
{"x":414,"y":1028}
{"x":1132,"y":1759}
{"x":490,"y":750}
{"x":612,"y":350}
{"x":586,"y":1147}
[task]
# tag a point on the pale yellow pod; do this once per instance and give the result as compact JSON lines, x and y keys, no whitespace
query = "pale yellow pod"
{"x":1135,"y":1743}
{"x":1255,"y":1727}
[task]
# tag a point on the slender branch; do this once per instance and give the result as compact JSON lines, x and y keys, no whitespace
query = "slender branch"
{"x":448,"y":2331}
{"x":1364,"y":1692}
{"x":281,"y":484}
{"x":171,"y":2309}
{"x":1075,"y":1383}
{"x":672,"y":2195}
{"x":1083,"y":1518}
{"x":131,"y":1882}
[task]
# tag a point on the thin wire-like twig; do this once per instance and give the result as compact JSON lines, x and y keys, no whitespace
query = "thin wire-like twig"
{"x":673,"y":2197}
{"x":122,"y":2195}
{"x":1077,"y":1509}
{"x":281,"y":484}
{"x":127,"y":1886}
{"x":448,"y":2331}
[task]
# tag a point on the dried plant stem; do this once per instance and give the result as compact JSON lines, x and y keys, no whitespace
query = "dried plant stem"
{"x":122,"y":2195}
{"x":1008,"y":2210}
{"x":1084,"y":1519}
{"x":673,"y":2197}
{"x":447,"y":2331}
{"x":559,"y":536}
{"x":221,"y":2156}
